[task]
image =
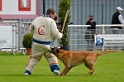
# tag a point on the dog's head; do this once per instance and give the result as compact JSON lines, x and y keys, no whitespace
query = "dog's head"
{"x":55,"y":50}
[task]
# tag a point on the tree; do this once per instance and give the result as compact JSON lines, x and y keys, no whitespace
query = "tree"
{"x":64,"y":5}
{"x":27,"y":42}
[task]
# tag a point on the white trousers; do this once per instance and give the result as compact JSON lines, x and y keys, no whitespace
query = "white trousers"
{"x":38,"y":50}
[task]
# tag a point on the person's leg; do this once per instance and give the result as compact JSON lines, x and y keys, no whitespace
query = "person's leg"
{"x":91,"y":42}
{"x":91,"y":39}
{"x":31,"y":64}
{"x":34,"y":59}
{"x":53,"y":62}
{"x":115,"y":31}
{"x":88,"y":45}
{"x":122,"y":32}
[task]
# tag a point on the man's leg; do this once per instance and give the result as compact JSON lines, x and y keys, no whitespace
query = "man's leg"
{"x":31,"y":64}
{"x":53,"y":62}
{"x":88,"y":45}
{"x":122,"y":32}
{"x":91,"y":45}
{"x":34,"y":59}
{"x":116,"y":31}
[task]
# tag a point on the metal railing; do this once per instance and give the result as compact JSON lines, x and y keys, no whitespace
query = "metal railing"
{"x":77,"y":33}
{"x":19,"y":28}
{"x":102,"y":25}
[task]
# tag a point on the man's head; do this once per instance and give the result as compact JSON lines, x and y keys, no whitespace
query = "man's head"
{"x":51,"y":12}
{"x":119,"y":9}
{"x":90,"y":17}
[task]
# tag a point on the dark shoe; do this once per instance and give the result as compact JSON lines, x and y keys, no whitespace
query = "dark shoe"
{"x":56,"y":72}
{"x":27,"y":72}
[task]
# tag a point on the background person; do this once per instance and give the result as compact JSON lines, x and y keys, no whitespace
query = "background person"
{"x":89,"y":35}
{"x":117,"y":19}
{"x":43,"y":29}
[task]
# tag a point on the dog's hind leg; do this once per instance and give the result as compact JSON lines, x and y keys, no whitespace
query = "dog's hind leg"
{"x":89,"y":63}
{"x":91,"y":69}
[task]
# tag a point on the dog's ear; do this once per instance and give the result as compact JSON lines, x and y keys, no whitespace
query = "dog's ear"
{"x":55,"y":50}
{"x":61,"y":47}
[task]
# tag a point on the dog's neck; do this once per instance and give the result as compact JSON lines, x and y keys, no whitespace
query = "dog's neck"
{"x":59,"y":54}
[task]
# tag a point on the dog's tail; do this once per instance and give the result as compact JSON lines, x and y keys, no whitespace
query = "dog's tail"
{"x":104,"y":52}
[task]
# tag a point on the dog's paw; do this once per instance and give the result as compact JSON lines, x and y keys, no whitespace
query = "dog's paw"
{"x":90,"y":73}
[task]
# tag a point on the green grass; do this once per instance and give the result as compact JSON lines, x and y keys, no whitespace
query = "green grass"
{"x":108,"y":68}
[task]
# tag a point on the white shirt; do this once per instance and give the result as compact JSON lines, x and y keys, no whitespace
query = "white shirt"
{"x":121,"y":19}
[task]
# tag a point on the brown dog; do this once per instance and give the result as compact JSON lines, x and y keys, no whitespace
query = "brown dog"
{"x":74,"y":58}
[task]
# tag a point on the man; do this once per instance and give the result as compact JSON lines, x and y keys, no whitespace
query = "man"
{"x":89,"y":35}
{"x":43,"y":29}
{"x":117,"y":19}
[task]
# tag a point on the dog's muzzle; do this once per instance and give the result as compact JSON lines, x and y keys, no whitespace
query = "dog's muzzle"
{"x":55,"y":50}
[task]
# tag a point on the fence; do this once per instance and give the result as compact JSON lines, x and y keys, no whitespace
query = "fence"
{"x":77,"y":41}
{"x":77,"y":32}
{"x":12,"y":32}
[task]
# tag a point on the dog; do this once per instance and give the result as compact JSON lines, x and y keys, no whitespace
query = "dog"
{"x":73,"y":58}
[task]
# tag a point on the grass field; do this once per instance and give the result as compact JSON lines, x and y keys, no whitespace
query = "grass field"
{"x":109,"y":68}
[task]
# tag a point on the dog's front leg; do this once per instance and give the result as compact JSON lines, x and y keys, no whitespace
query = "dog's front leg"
{"x":66,"y":62}
{"x":65,"y":71}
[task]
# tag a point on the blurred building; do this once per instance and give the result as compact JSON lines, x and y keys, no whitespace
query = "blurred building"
{"x":102,"y":10}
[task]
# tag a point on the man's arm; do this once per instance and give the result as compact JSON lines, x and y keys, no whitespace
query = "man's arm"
{"x":54,"y":31}
{"x":93,"y":23}
{"x":121,"y":19}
